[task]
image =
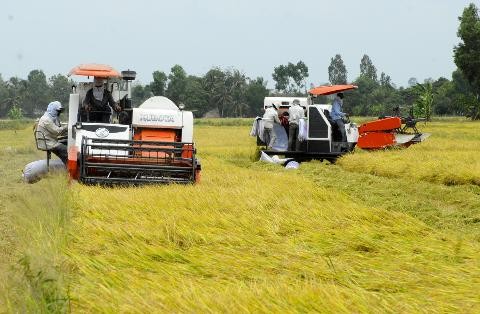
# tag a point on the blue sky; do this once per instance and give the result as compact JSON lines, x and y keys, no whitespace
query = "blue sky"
{"x":408,"y":38}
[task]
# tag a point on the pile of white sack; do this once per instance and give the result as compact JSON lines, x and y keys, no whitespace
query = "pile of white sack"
{"x":288,"y":163}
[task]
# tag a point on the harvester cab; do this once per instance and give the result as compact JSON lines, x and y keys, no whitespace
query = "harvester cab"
{"x":149,"y":144}
{"x":322,"y":140}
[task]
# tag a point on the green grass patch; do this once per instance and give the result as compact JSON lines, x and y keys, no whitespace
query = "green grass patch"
{"x":15,"y":124}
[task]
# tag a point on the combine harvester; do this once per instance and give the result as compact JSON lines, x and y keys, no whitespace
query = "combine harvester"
{"x":150,"y":144}
{"x":323,"y":140}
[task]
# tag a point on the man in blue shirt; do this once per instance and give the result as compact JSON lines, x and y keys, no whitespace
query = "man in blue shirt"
{"x":337,"y":115}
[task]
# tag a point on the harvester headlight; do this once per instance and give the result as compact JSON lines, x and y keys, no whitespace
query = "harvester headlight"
{"x":78,"y":125}
{"x":181,"y":106}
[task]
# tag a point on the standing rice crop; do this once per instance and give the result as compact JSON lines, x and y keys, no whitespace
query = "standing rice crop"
{"x":258,"y":238}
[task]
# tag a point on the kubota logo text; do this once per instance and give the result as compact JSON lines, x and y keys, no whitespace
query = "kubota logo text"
{"x":148,"y":117}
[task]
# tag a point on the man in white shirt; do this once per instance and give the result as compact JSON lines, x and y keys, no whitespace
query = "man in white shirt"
{"x":269,"y":118}
{"x":295,"y":113}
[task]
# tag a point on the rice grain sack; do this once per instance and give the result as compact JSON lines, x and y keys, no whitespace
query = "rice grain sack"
{"x":36,"y":170}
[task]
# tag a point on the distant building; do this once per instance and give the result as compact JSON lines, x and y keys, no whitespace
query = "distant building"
{"x":214,"y":113}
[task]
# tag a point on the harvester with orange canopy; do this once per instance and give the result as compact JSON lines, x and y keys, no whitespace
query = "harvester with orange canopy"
{"x":323,"y":140}
{"x":152,"y":143}
{"x":385,"y":132}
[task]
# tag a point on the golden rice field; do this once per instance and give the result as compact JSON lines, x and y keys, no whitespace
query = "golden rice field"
{"x":450,"y":157}
{"x":393,"y":231}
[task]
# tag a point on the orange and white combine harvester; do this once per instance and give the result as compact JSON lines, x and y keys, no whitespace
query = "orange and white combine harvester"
{"x":149,"y":144}
{"x":323,"y":140}
{"x":386,"y":132}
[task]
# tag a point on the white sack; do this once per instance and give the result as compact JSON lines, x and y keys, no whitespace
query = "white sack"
{"x":36,"y":170}
{"x":281,"y":142}
{"x":279,"y":160}
{"x":257,"y":128}
{"x":292,"y":165}
{"x":266,"y":158}
{"x":302,"y":130}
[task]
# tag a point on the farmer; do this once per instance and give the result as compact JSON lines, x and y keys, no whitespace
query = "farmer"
{"x":269,"y":118}
{"x":98,"y":101}
{"x":337,"y":115}
{"x":50,"y":128}
{"x":295,"y":114}
{"x":284,"y":120}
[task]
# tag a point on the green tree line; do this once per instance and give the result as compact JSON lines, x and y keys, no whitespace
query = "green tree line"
{"x":230,"y":93}
{"x":29,"y":97}
{"x":227,"y":92}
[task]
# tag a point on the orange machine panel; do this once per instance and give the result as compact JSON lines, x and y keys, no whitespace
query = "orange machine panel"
{"x":376,"y":140}
{"x":187,"y":151}
{"x":386,"y":124}
{"x":159,"y":135}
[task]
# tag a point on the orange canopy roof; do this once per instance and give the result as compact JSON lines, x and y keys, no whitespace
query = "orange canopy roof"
{"x":330,"y":89}
{"x":99,"y":70}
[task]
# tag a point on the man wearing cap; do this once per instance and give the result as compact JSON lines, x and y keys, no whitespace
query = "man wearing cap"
{"x":98,"y":101}
{"x":295,"y":113}
{"x":337,"y":115}
{"x":269,"y":118}
{"x":49,"y":125}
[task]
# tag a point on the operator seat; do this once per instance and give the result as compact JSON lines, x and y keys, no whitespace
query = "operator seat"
{"x":125,"y":116}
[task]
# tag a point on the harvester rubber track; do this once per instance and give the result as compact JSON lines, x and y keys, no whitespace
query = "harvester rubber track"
{"x":112,"y":162}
